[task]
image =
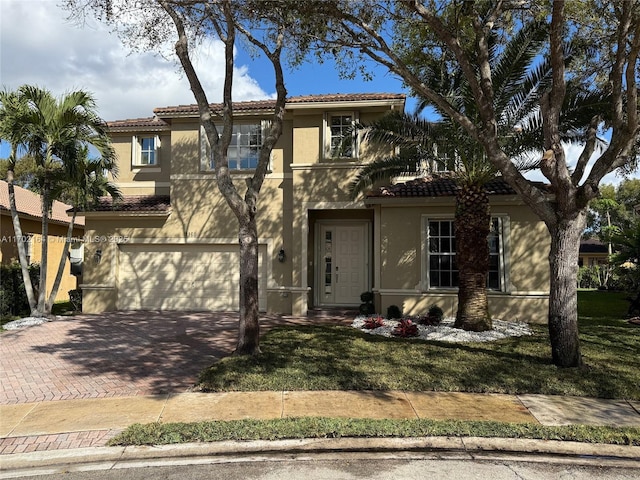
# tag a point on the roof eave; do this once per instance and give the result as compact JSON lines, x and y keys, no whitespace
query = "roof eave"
{"x":437,"y":200}
{"x":387,"y":102}
{"x":104,"y":214}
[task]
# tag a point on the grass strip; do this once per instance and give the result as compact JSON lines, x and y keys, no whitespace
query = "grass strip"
{"x":317,"y":427}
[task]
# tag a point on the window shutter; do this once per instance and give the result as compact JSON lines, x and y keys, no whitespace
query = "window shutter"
{"x":134,"y":150}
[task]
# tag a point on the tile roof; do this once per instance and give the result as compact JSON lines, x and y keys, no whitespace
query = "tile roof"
{"x":269,"y":104}
{"x":440,"y":185}
{"x":134,"y":203}
{"x":149,"y":123}
{"x":30,"y":204}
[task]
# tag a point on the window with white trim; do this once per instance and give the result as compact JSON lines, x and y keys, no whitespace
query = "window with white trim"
{"x":341,"y":138}
{"x":144,"y":150}
{"x":244,"y":149}
{"x":441,"y":263}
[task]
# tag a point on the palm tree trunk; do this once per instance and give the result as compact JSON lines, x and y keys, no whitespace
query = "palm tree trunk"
{"x":63,"y":261}
{"x":17,"y":229}
{"x":472,"y":224}
{"x":42,"y":289}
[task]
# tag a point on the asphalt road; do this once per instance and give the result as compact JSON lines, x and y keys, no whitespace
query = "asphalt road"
{"x":358,"y":469}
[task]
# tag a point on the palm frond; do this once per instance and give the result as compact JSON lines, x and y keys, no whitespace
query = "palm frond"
{"x":383,"y":169}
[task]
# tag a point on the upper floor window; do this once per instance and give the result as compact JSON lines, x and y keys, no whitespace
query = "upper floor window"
{"x":144,"y":150}
{"x":341,"y":135}
{"x":441,"y":263}
{"x":244,"y":149}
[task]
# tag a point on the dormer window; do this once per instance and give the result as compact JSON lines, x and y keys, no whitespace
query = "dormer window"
{"x":144,"y":150}
{"x":341,"y":138}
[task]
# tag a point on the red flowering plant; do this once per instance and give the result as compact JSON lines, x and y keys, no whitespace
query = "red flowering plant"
{"x":405,"y":328}
{"x":373,"y":322}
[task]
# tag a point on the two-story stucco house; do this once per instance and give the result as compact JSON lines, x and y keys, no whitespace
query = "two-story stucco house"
{"x":172,"y":242}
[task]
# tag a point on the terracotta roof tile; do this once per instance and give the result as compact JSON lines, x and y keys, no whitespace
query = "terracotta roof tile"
{"x":150,"y":123}
{"x":30,"y":204}
{"x":436,"y":186}
{"x":134,"y":203}
{"x":269,"y":104}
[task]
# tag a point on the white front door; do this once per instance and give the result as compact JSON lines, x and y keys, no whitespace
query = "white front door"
{"x":342,"y":263}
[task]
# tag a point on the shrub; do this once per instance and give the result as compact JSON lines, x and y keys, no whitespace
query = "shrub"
{"x":366,"y":307}
{"x":13,"y":296}
{"x":394,"y":312}
{"x":405,"y":328}
{"x":373,"y":322}
{"x":366,"y":297}
{"x":433,"y":317}
{"x":435,"y":314}
{"x":75,"y":297}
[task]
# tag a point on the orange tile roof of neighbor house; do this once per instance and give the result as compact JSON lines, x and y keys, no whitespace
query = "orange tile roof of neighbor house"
{"x":30,"y":204}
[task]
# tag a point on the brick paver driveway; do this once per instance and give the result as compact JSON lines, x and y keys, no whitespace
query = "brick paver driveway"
{"x":118,"y":354}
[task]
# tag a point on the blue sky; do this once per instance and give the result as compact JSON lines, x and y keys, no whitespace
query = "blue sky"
{"x":38,"y":45}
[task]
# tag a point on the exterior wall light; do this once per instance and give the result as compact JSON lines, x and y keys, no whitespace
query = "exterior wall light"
{"x":282,"y":256}
{"x":97,"y":256}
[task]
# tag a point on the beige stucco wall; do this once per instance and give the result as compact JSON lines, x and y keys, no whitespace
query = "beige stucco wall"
{"x":142,"y":180}
{"x":401,"y":261}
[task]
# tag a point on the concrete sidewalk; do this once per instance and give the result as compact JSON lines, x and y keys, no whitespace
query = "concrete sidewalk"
{"x":55,"y":425}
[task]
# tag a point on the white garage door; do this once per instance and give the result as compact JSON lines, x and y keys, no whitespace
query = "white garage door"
{"x":182,"y":277}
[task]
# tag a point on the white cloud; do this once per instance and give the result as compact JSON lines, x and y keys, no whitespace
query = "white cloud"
{"x":39,"y":46}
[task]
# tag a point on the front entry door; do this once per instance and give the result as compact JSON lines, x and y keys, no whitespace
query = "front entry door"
{"x":342,"y":273}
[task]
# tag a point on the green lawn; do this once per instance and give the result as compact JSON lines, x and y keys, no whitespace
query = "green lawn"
{"x":342,"y":358}
{"x":602,"y":304}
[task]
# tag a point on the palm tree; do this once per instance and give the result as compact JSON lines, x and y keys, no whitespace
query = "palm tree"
{"x":627,"y":256}
{"x":12,"y":107}
{"x":422,"y":146}
{"x":52,"y":131}
{"x":81,"y":184}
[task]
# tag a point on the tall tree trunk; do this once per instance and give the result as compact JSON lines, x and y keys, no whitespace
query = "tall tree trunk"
{"x":17,"y":230}
{"x":249,"y":325}
{"x":63,"y":261}
{"x":563,"y":294}
{"x":473,"y":224}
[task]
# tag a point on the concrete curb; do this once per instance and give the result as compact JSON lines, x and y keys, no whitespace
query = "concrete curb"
{"x":103,"y":458}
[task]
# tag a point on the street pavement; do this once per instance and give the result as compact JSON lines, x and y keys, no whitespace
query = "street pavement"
{"x":68,"y":386}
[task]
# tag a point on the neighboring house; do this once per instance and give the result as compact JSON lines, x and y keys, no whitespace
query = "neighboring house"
{"x":29,"y":206}
{"x":593,"y":252}
{"x":172,"y":242}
